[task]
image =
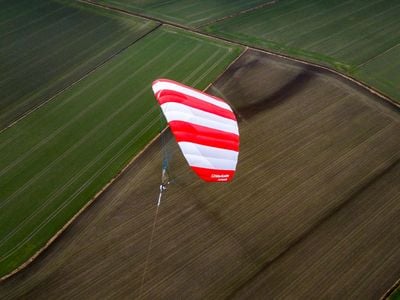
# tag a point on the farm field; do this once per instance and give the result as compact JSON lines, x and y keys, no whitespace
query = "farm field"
{"x":359,"y":38}
{"x":382,"y":72}
{"x":395,"y":295}
{"x":311,"y":213}
{"x":191,"y":13}
{"x":47,"y":45}
{"x":53,"y":161}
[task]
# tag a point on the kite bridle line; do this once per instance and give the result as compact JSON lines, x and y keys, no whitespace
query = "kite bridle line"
{"x":163,"y":187}
{"x":153,"y":229}
{"x":164,"y":151}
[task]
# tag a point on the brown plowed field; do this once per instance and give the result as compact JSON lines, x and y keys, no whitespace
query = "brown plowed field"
{"x":312,"y":213}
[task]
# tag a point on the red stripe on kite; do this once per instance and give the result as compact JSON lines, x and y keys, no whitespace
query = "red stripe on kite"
{"x":188,"y":132}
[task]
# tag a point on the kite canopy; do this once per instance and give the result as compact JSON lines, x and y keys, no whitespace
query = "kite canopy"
{"x":204,"y":126}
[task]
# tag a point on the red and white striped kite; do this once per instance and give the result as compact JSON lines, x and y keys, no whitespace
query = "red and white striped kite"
{"x":204,"y":126}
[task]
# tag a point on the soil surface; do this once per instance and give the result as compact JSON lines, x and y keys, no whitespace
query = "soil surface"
{"x":311,"y":214}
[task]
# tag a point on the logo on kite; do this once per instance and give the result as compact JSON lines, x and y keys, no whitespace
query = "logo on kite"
{"x":204,"y":126}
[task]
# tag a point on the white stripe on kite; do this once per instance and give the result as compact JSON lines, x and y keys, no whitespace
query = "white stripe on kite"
{"x":166,"y":85}
{"x":209,"y":157}
{"x":179,"y":112}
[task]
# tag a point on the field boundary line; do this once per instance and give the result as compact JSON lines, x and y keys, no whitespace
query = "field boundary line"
{"x":234,"y":61}
{"x":49,"y":242}
{"x":390,"y":291}
{"x":82,"y":37}
{"x":239,"y":13}
{"x":101,"y":64}
{"x":205,"y":89}
{"x":53,"y":83}
{"x":70,"y":98}
{"x":75,"y":194}
{"x":107,"y":185}
{"x":382,"y":53}
{"x":363,"y":85}
{"x":94,"y":130}
{"x":73,"y":120}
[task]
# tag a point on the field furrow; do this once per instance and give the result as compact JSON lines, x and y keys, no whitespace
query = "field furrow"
{"x":56,"y":44}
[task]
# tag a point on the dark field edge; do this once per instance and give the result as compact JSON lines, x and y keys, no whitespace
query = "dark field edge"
{"x":365,"y":86}
{"x":309,"y":68}
{"x":98,"y":66}
{"x":393,"y":293}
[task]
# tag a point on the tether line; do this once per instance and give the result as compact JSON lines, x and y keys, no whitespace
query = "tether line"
{"x":150,"y":243}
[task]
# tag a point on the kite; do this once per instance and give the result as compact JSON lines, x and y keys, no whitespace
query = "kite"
{"x":204,"y":127}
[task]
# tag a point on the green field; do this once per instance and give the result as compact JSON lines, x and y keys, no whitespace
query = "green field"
{"x":47,"y":45}
{"x":58,"y":157}
{"x":359,"y":38}
{"x":395,"y":295}
{"x":382,"y":72}
{"x":191,"y":13}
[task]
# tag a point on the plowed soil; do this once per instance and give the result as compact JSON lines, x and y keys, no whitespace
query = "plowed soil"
{"x":312,"y":212}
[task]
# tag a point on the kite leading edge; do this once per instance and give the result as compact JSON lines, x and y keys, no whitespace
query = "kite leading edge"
{"x":204,"y":126}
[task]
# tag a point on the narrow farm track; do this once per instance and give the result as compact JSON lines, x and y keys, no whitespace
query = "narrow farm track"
{"x":311,"y":213}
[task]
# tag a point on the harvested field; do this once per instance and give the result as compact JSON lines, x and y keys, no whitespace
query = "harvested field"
{"x":57,"y":158}
{"x":47,"y":45}
{"x":312,"y":212}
